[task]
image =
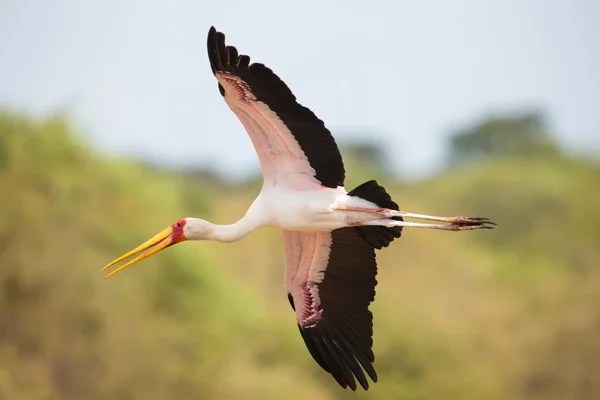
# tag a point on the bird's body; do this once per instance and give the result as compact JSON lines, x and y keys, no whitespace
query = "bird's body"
{"x":330,"y":235}
{"x":308,"y":209}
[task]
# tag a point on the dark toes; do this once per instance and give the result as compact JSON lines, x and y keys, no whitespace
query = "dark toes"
{"x":472,"y":220}
{"x":470,"y":226}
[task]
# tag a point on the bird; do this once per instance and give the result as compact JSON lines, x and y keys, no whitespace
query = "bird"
{"x":330,"y":235}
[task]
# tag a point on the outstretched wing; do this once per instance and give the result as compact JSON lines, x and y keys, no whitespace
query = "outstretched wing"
{"x":293,"y":145}
{"x":330,"y":278}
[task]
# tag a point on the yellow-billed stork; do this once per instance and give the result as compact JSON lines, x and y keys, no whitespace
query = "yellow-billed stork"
{"x":330,"y":235}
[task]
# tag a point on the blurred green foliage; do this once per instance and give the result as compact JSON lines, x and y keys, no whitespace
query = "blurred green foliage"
{"x":512,"y":313}
{"x":524,"y":135}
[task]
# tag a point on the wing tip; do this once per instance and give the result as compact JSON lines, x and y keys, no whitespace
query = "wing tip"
{"x":213,"y":51}
{"x":338,"y":357}
{"x":218,"y":52}
{"x":221,"y":56}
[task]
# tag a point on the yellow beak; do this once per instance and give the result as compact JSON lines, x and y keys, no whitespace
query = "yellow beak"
{"x":162,"y":240}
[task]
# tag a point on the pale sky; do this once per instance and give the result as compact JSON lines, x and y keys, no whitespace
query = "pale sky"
{"x":135,"y":75}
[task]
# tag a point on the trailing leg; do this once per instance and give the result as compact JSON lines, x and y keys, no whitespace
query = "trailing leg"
{"x":387,"y":213}
{"x":391,"y":223}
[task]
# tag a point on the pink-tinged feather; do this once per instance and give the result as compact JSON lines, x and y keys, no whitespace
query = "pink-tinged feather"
{"x":307,"y":256}
{"x":282,"y":160}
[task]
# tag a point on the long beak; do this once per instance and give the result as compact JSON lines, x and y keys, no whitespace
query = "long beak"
{"x":162,"y":240}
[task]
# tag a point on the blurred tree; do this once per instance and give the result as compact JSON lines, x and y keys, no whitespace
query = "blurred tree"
{"x":512,"y":314}
{"x":522,"y":135}
{"x":364,"y":159}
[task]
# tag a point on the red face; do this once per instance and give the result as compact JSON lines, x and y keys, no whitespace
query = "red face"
{"x":177,"y":235}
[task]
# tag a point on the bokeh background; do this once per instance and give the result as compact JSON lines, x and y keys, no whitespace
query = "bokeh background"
{"x":112,"y":127}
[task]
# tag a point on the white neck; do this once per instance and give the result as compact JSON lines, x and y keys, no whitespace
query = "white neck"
{"x":199,"y":229}
{"x":230,"y":233}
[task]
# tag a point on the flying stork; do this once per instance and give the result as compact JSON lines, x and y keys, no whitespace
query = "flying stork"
{"x":330,"y":235}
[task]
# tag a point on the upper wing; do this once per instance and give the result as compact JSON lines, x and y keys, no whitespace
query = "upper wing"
{"x":330,"y":278}
{"x":292,"y":143}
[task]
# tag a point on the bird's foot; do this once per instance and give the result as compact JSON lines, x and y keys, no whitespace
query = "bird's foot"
{"x":462,"y":223}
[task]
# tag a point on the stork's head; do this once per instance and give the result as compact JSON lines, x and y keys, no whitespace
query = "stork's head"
{"x":177,"y":232}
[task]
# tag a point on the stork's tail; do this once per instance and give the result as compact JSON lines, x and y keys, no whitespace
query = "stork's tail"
{"x":377,"y":236}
